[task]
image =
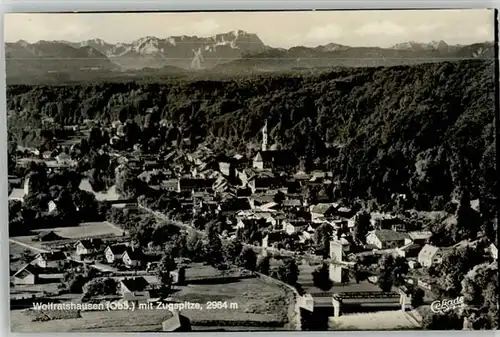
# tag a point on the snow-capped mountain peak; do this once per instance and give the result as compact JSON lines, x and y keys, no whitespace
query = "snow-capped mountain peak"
{"x":413,"y":45}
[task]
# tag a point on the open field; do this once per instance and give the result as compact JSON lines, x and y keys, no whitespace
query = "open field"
{"x":94,"y":321}
{"x":86,"y":229}
{"x":16,"y":250}
{"x":255,"y":300}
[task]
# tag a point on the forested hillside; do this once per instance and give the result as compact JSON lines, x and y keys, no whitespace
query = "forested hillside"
{"x":424,"y":130}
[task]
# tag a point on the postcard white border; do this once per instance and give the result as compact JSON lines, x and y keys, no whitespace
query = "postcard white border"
{"x":190,"y":5}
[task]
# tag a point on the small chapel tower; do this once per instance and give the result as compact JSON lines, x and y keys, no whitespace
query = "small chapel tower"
{"x":264,"y":137}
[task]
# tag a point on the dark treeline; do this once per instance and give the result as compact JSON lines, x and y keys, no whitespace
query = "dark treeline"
{"x":426,"y":131}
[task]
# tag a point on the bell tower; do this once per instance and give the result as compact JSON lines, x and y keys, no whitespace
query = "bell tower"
{"x":264,"y":137}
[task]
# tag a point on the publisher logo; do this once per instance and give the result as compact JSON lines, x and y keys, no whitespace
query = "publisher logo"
{"x":443,"y":306}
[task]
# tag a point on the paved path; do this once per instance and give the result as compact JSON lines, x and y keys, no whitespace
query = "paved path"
{"x":30,"y":247}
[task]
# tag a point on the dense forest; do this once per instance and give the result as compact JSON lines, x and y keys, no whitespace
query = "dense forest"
{"x":426,"y":130}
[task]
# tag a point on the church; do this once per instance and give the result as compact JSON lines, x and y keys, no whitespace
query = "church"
{"x":272,"y":157}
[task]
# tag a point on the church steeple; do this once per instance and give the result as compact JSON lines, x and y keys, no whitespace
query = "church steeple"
{"x":264,"y":137}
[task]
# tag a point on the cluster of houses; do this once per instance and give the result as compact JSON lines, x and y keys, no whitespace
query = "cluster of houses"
{"x":258,"y":193}
{"x":89,"y":250}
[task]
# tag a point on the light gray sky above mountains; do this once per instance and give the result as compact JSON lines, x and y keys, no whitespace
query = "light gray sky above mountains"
{"x":277,"y":29}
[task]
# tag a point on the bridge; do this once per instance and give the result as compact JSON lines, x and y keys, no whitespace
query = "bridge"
{"x":362,"y":298}
{"x":366,"y":295}
{"x":339,"y":299}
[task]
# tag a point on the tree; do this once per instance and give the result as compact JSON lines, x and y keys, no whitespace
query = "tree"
{"x":322,"y":237}
{"x":480,"y":291}
{"x":287,"y":272}
{"x":74,"y":282}
{"x":417,"y":297}
{"x":467,"y":219}
{"x":449,"y":274}
{"x":399,"y":270}
{"x":321,"y":278}
{"x":101,"y":286}
{"x":386,"y":281}
{"x":263,"y":264}
{"x":361,"y":227}
{"x":213,"y":248}
{"x":392,"y":271}
{"x":231,"y":250}
{"x":165,"y":267}
{"x":438,"y":321}
{"x":194,"y":246}
{"x":248,"y":259}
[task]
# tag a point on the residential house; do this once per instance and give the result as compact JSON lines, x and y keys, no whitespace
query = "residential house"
{"x":343,"y":212}
{"x":291,"y":203}
{"x":26,"y":275}
{"x":47,"y":236}
{"x":88,"y":247}
{"x":226,"y":169}
{"x":270,"y":206}
{"x":232,"y":204}
{"x":170,"y":185}
{"x":151,"y":164}
{"x":52,"y":206}
{"x":272,"y":239}
{"x":258,"y":200}
{"x":249,"y":223}
{"x":196,"y":184}
{"x":132,"y":257}
{"x":274,"y":159}
{"x":351,"y":223}
{"x":339,"y":224}
{"x":384,"y":221}
{"x":386,"y":238}
{"x":493,"y":251}
{"x":323,"y":210}
{"x":409,"y":250}
{"x":47,"y":155}
{"x":244,"y":175}
{"x":431,"y":255}
{"x":17,"y":194}
{"x":49,"y":260}
{"x":64,"y":159}
{"x":114,"y":253}
{"x":135,"y":289}
{"x":419,"y":238}
{"x":275,"y":219}
{"x":263,"y":182}
{"x":292,"y":227}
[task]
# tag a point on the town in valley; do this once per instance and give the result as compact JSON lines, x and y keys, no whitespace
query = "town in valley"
{"x":334,"y":199}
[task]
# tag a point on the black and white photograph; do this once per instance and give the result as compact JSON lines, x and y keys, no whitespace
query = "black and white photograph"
{"x":252,"y":171}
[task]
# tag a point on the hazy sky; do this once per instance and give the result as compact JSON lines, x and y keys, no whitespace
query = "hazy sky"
{"x":277,"y":29}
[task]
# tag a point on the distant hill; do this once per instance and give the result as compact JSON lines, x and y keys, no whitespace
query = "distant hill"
{"x":179,"y":51}
{"x":321,"y":57}
{"x":37,"y":60}
{"x":231,"y":53}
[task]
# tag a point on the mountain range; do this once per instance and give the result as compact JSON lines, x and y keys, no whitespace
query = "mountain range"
{"x":232,"y":52}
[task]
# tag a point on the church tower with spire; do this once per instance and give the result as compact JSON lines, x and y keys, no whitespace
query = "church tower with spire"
{"x":264,"y":137}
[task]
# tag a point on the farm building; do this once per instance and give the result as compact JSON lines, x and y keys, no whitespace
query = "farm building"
{"x":49,"y":260}
{"x":88,"y":247}
{"x":26,"y":275}
{"x":114,"y":253}
{"x":47,"y":236}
